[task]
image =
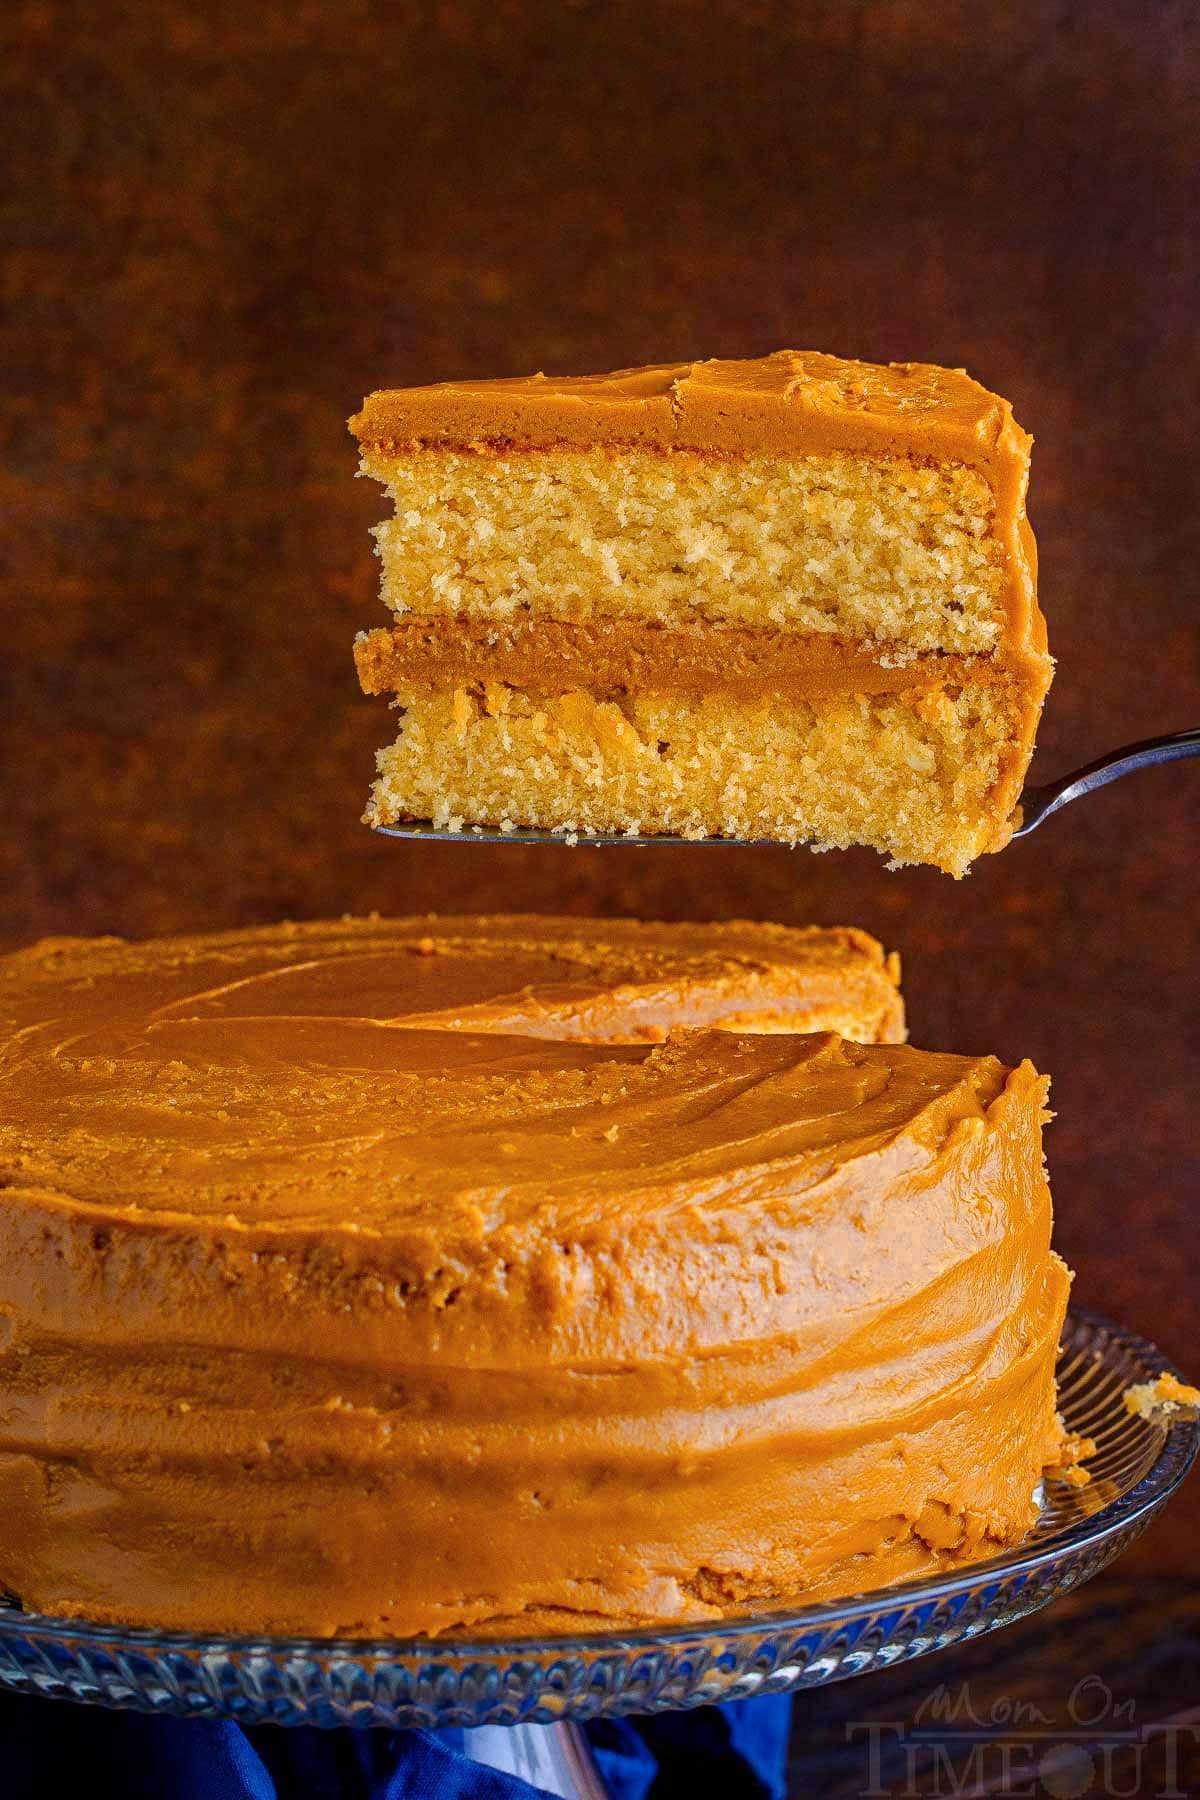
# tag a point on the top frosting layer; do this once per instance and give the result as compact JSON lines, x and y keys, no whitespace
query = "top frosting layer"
{"x":601,"y":980}
{"x":233,"y":1071}
{"x":793,"y":401}
{"x":293,"y":1102}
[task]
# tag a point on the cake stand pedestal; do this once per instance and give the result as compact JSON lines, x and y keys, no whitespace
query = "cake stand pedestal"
{"x":554,"y":1757}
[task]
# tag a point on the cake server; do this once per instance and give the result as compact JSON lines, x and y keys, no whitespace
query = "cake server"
{"x":1036,"y":803}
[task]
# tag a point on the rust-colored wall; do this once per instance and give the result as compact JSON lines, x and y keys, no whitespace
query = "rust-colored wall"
{"x":230,"y":220}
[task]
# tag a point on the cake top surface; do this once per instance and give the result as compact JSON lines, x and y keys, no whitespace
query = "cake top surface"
{"x":800,"y":401}
{"x":260,"y":1134}
{"x":346,"y":1077}
{"x":607,"y":980}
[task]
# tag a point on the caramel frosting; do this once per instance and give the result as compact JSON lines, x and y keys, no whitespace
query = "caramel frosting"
{"x":350,"y":1285}
{"x":792,"y":402}
{"x":550,"y":655}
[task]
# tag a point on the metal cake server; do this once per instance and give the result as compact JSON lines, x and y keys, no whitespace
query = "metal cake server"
{"x":1036,"y":803}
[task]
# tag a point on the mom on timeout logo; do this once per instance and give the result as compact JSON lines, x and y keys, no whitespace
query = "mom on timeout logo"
{"x":1094,"y":1745}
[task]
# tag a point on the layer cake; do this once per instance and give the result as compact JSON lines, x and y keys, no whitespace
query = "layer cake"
{"x":348,"y":1284}
{"x":789,"y":598}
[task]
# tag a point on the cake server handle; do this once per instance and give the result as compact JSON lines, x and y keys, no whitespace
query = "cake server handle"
{"x":1037,"y":803}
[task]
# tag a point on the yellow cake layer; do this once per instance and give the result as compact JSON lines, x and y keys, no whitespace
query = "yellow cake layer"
{"x":924,"y":775}
{"x":893,"y":551}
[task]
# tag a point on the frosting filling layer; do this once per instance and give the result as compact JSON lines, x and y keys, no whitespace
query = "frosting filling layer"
{"x":554,"y":656}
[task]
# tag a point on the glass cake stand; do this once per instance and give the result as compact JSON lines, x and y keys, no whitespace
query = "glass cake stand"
{"x":554,"y":1682}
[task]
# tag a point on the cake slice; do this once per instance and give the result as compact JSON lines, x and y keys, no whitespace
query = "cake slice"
{"x":791,"y":599}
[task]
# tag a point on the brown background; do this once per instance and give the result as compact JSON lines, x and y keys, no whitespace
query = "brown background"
{"x":229,"y":221}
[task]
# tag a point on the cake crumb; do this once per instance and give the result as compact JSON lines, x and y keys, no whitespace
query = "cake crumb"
{"x":1073,"y":1450}
{"x":1154,"y":1400}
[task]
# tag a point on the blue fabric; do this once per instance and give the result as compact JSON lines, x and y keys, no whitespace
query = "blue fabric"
{"x":51,"y":1748}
